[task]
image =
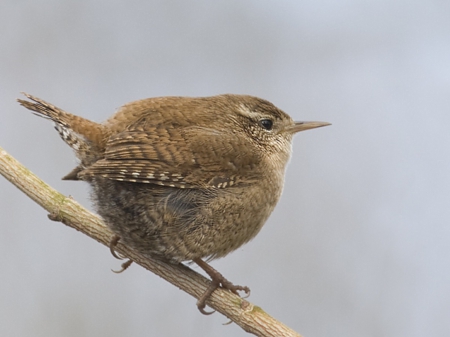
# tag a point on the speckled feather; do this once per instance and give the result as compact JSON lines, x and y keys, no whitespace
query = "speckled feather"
{"x":180,"y":177}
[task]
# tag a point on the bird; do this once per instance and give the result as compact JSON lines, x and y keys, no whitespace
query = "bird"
{"x":185,"y":179}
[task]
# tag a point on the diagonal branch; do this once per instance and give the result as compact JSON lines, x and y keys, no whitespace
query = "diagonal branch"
{"x":248,"y":316}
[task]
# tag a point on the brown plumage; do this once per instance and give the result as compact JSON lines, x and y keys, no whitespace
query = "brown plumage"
{"x":182,"y":178}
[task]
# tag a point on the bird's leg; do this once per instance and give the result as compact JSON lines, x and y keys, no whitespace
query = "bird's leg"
{"x":217,"y":280}
{"x":112,"y":244}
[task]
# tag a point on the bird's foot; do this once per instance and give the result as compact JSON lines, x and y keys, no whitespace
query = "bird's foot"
{"x":217,"y":280}
{"x":112,"y":244}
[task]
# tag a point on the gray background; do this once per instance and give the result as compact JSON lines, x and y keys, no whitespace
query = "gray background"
{"x":359,"y":243}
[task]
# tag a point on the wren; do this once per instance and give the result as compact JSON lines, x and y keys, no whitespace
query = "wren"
{"x":180,"y":178}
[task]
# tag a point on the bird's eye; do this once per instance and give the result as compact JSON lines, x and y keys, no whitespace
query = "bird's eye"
{"x":266,"y":124}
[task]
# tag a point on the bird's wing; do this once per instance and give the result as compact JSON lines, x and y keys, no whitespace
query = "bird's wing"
{"x":183,"y":157}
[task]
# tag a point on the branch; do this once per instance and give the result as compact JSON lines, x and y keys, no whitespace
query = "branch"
{"x":248,"y":316}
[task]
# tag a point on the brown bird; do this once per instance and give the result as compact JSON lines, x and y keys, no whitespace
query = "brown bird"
{"x":180,"y":178}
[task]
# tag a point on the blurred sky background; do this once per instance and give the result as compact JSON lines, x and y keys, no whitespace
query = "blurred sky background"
{"x":359,"y":244}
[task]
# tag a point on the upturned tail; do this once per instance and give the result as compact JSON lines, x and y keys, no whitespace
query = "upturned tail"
{"x":85,"y":137}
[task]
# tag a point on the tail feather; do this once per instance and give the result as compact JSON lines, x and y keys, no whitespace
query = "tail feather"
{"x":82,"y":135}
{"x":41,"y":107}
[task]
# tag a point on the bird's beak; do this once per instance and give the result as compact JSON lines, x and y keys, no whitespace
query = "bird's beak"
{"x":302,"y":126}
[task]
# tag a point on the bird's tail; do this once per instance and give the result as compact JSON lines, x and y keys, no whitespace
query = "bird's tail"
{"x":82,"y":135}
